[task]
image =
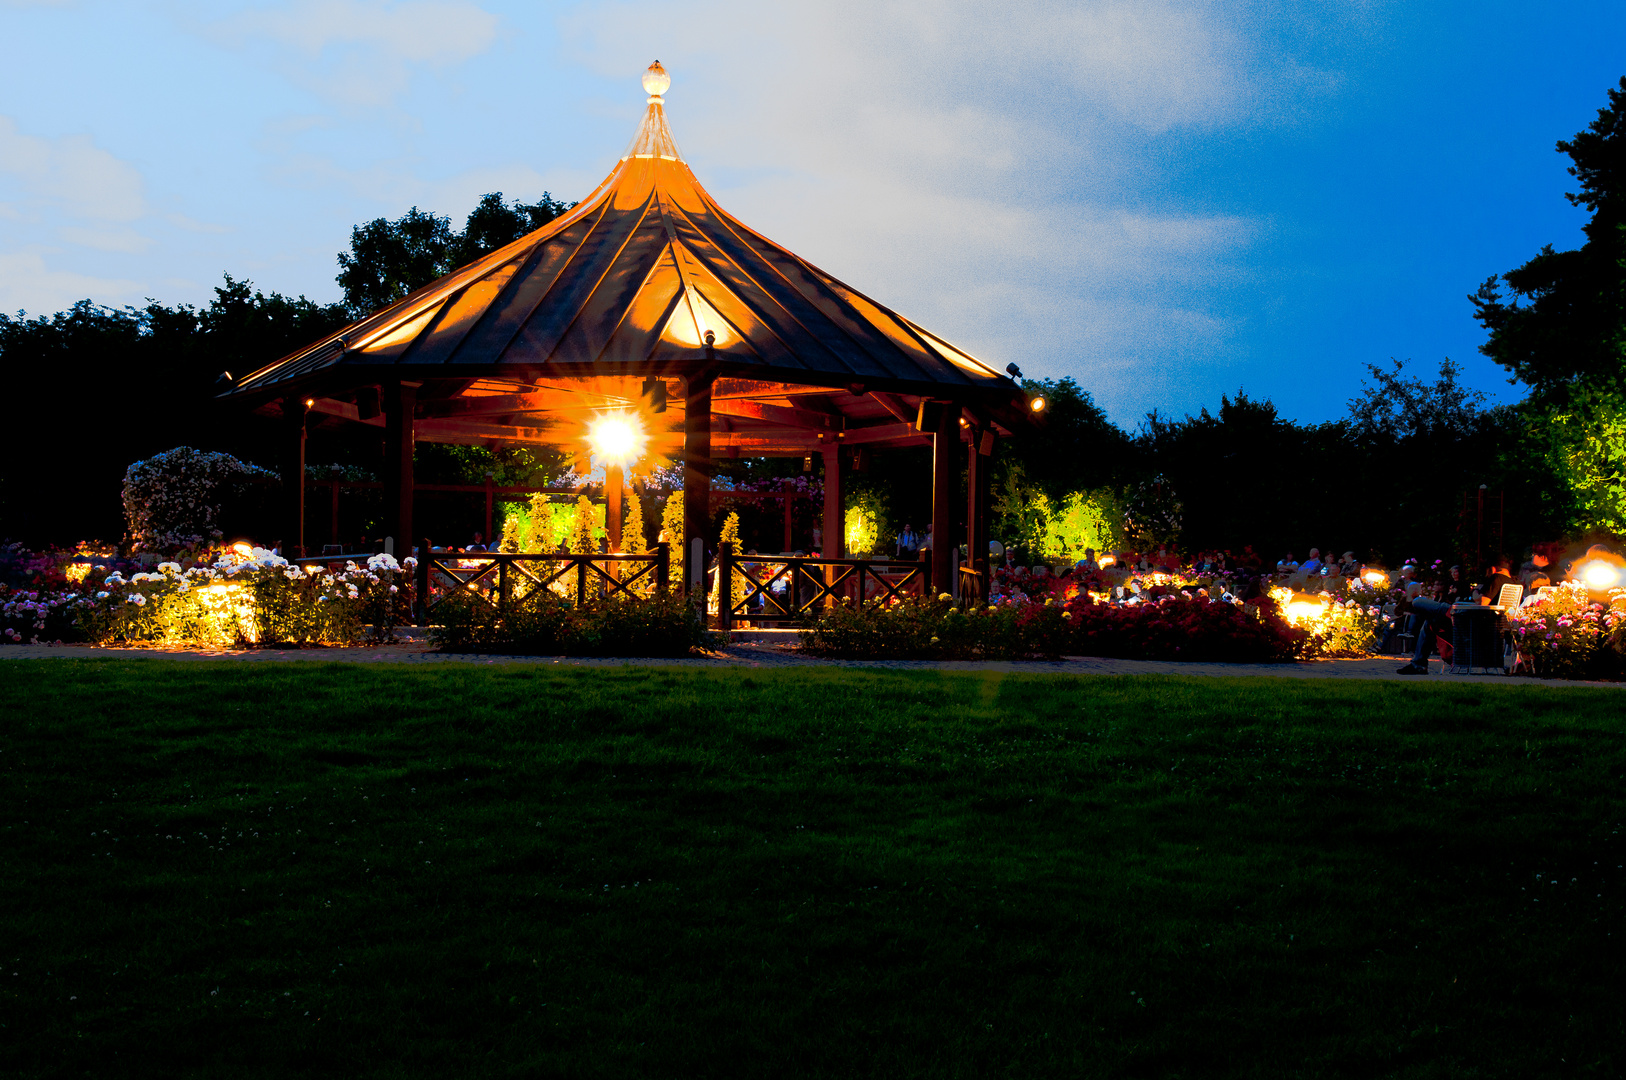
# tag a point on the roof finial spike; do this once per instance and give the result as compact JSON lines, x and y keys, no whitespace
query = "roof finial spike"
{"x":656,"y":80}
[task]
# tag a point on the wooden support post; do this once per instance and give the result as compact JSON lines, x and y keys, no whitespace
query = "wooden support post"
{"x":833,"y":525}
{"x":725,"y":586}
{"x":333,"y":510}
{"x":663,"y":566}
{"x":420,"y":577}
{"x":294,"y":413}
{"x":945,"y":487}
{"x":612,"y":506}
{"x":696,"y":485}
{"x":834,"y":530}
{"x":400,"y":402}
{"x":790,"y":505}
{"x":491,"y":506}
{"x":979,"y":466}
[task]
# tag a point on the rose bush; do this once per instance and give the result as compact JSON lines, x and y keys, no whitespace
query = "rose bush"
{"x":547,"y":624}
{"x":1566,"y":634}
{"x":1173,"y":628}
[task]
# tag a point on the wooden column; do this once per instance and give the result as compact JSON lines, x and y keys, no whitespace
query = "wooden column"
{"x":294,"y":413}
{"x":612,"y":506}
{"x":835,"y":538}
{"x":491,"y":506}
{"x":400,"y":400}
{"x":945,"y":489}
{"x":696,"y":483}
{"x":979,"y":466}
{"x":333,"y":510}
{"x":790,"y":508}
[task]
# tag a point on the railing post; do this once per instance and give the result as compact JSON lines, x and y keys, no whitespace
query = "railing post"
{"x":581,"y":580}
{"x":926,"y":592}
{"x":502,"y":585}
{"x":423,"y":582}
{"x":725,"y":586}
{"x":663,"y":566}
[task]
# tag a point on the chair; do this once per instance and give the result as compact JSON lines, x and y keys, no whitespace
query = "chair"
{"x":1510,"y":596}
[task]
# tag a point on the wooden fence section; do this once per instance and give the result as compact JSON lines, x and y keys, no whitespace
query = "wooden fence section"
{"x":501,"y":578}
{"x":789,"y":588}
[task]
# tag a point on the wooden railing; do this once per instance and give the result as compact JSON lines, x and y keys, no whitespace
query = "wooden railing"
{"x":809,"y":583}
{"x":501,"y":578}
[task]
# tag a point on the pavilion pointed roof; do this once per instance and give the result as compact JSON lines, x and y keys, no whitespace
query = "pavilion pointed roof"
{"x":635,"y":279}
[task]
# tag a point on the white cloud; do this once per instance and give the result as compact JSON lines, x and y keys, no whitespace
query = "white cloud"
{"x":991,"y":172}
{"x":362,"y":52}
{"x":124,"y":240}
{"x":28,"y":284}
{"x":72,"y":173}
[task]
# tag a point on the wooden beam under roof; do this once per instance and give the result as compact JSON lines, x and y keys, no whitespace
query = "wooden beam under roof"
{"x":785,"y":416}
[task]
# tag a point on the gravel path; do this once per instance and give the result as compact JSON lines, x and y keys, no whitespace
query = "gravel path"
{"x":757,"y":655}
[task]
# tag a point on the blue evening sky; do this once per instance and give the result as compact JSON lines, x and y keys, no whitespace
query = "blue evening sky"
{"x":1166,"y":201}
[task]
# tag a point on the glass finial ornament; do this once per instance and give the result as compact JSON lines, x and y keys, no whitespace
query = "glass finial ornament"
{"x":656,"y":80}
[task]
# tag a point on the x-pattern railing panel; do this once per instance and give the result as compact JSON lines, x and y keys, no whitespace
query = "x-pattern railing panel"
{"x":503,"y":578}
{"x":827,"y":578}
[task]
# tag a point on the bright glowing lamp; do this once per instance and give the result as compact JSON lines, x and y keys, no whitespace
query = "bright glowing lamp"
{"x":1303,"y":608}
{"x":1600,"y":575}
{"x":1375,"y":578}
{"x":656,"y":80}
{"x":1038,"y":403}
{"x":618,"y":438}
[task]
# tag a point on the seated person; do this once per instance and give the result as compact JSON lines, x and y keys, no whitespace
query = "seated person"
{"x":1457,"y":589}
{"x":1499,"y":576}
{"x":1431,"y":619}
{"x":1313,"y":565}
{"x":1288,"y":564}
{"x":1088,"y":563}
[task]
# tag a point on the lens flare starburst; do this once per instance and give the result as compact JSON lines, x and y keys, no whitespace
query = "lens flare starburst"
{"x":617,"y":438}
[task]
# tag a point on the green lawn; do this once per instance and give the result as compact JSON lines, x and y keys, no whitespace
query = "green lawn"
{"x":239,"y":870}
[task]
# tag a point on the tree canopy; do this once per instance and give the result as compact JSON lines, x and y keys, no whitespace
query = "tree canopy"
{"x":1563,"y":323}
{"x":388,"y":259}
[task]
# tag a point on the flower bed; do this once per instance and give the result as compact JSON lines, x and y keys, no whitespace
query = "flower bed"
{"x":245,"y":597}
{"x":545,"y":624}
{"x":1568,"y":634}
{"x":1175,"y":628}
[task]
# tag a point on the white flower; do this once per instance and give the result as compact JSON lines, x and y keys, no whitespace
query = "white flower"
{"x":103,"y":595}
{"x":137,"y":599}
{"x":383,"y":561}
{"x":393,"y":589}
{"x":409,"y":562}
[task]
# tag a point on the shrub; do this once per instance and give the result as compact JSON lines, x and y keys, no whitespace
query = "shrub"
{"x":544,"y":624}
{"x":172,"y":500}
{"x":913,"y":629}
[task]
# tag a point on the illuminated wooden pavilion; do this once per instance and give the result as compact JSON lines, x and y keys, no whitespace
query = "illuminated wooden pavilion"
{"x":648,"y":291}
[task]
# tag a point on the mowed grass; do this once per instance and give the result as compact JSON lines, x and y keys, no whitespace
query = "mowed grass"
{"x":245,"y":870}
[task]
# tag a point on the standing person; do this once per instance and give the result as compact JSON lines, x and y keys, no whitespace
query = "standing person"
{"x":908,"y":543}
{"x":926,"y":542}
